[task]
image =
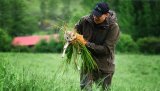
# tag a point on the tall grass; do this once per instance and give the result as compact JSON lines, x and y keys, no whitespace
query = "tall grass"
{"x":79,"y":55}
{"x":28,"y":72}
{"x":43,"y":72}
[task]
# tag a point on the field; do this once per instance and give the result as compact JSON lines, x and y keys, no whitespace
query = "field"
{"x":45,"y":72}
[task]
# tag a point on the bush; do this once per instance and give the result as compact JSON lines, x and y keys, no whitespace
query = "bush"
{"x":5,"y":41}
{"x":59,"y":46}
{"x":55,"y":46}
{"x":126,"y":44}
{"x":21,"y":49}
{"x":51,"y":46}
{"x":149,"y":45}
{"x":42,"y":46}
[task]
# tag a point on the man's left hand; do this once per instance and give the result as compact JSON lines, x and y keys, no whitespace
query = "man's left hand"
{"x":81,"y":39}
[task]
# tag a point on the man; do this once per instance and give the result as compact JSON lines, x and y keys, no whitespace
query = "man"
{"x":100,"y":34}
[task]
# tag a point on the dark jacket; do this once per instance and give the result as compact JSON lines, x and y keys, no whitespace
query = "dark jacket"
{"x":101,"y":39}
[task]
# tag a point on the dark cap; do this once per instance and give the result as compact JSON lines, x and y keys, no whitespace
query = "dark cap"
{"x":100,"y":9}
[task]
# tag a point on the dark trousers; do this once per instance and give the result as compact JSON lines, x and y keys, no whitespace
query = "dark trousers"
{"x":99,"y":77}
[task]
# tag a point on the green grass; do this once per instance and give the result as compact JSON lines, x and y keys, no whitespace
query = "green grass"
{"x":43,"y":72}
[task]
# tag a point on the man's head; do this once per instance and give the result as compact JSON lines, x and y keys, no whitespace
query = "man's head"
{"x":100,"y":12}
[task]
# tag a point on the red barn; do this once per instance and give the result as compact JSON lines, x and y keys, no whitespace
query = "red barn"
{"x":32,"y":40}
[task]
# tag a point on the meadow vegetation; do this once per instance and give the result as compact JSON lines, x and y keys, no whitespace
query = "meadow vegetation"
{"x":45,"y":72}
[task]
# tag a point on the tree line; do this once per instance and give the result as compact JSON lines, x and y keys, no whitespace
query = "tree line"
{"x":137,"y":18}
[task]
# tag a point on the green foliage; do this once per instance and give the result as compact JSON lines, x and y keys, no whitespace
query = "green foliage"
{"x":55,"y":46}
{"x":5,"y":41}
{"x":149,"y":45}
{"x":51,"y":46}
{"x":125,"y":20}
{"x":66,"y":10}
{"x":146,"y":18}
{"x":59,"y":46}
{"x":88,"y":5}
{"x":41,"y":46}
{"x":14,"y":18}
{"x":139,"y":18}
{"x":126,"y":44}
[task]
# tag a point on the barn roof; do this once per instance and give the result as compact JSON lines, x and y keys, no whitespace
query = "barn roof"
{"x":31,"y":40}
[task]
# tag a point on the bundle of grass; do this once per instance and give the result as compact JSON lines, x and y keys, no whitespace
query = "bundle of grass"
{"x":77,"y":53}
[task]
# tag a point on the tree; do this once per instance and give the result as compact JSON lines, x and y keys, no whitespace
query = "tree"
{"x":126,"y":16}
{"x":14,"y":19}
{"x":147,"y":18}
{"x":5,"y":41}
{"x":88,"y":5}
{"x":5,"y":14}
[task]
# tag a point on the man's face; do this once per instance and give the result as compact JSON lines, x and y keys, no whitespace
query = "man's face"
{"x":100,"y":19}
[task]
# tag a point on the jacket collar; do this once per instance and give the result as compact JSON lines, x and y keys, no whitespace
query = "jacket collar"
{"x":91,"y":21}
{"x":110,"y":20}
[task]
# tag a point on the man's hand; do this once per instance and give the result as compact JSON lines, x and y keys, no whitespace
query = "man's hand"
{"x":80,"y":39}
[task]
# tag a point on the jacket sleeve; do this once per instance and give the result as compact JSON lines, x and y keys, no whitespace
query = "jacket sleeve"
{"x":78,"y":26}
{"x":109,"y":43}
